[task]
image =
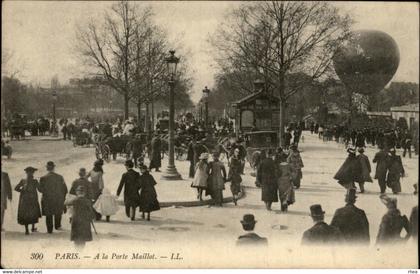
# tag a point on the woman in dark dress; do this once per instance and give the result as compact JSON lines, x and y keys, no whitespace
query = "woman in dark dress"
{"x":148,"y":195}
{"x":83,"y":215}
{"x":29,"y":210}
{"x":235,"y":175}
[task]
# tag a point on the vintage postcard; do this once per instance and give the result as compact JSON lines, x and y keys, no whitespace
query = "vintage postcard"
{"x":209,"y":134}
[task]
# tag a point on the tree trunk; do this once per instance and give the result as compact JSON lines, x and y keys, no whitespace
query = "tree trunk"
{"x":146,"y":119}
{"x":139,"y":113}
{"x":153,"y":114}
{"x":282,"y":106}
{"x":126,"y":101}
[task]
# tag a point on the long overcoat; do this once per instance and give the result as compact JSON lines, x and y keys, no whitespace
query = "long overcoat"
{"x":28,"y":210}
{"x":148,"y":195}
{"x":234,"y":175}
{"x":391,"y":226}
{"x":322,"y":234}
{"x":395,"y":171}
{"x":6,"y":190}
{"x":285,"y":183}
{"x":381,"y":160}
{"x":155,"y":156}
{"x":54,"y":190}
{"x":266,"y":176}
{"x":295,"y":161}
{"x":82,"y":217}
{"x":131,"y":184}
{"x":349,"y":171}
{"x":352,"y":223}
{"x":217,"y":177}
{"x":365,"y":167}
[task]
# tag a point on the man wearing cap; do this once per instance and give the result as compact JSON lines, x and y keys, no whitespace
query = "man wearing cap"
{"x":320,"y":233}
{"x":381,"y":160}
{"x":6,"y":194}
{"x":82,"y":181}
{"x":131,"y":184}
{"x":250,"y":238}
{"x":392,"y":223}
{"x":350,"y":170}
{"x":352,"y":221}
{"x":54,"y":190}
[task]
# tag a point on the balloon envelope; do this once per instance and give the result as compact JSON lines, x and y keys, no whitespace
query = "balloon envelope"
{"x":367,"y":62}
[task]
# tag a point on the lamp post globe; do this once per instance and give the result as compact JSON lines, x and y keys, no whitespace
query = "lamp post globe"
{"x":171,"y":173}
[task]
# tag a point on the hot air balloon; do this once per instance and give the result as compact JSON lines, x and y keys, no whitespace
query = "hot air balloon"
{"x":367,"y":61}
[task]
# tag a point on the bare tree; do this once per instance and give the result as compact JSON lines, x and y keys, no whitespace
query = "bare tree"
{"x":276,"y":39}
{"x":109,"y":47}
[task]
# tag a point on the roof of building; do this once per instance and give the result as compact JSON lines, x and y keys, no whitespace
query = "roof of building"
{"x":406,"y":108}
{"x":252,"y":97}
{"x":379,"y":113}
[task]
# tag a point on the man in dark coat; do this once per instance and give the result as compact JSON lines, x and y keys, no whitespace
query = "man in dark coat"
{"x":395,"y":172}
{"x":321,"y":233}
{"x":82,"y":181}
{"x":6,"y":194}
{"x":287,"y":138}
{"x":414,"y":222}
{"x":190,"y":157}
{"x":350,"y":170}
{"x":131,"y":184}
{"x":155,"y":156}
{"x":392,"y":223}
{"x":352,"y":221}
{"x":54,"y":190}
{"x":250,"y":238}
{"x":381,"y":160}
{"x":360,"y":139}
{"x":266,"y":177}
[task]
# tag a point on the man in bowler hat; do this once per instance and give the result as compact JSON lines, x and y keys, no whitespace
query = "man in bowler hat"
{"x":250,"y":238}
{"x":352,"y":221}
{"x":321,"y":233}
{"x":54,"y":190}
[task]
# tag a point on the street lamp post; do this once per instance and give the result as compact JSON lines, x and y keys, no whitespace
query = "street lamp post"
{"x":54,"y":119}
{"x":206,"y":93}
{"x":171,"y":173}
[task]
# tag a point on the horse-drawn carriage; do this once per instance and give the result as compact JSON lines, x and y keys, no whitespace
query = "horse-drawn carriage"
{"x":256,"y":141}
{"x":18,"y":126}
{"x":125,"y":145}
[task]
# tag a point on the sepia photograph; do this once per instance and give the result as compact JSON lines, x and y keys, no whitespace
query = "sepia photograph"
{"x":209,"y":135}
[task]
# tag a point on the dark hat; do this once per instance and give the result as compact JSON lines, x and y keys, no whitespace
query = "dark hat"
{"x":50,"y":164}
{"x":388,"y":202}
{"x":82,"y":170}
{"x":360,"y":150}
{"x":316,"y":210}
{"x":143,"y":167}
{"x":248,"y":219}
{"x":30,"y":169}
{"x":129,"y":163}
{"x":99,"y":162}
{"x":351,"y":150}
{"x":216,"y":154}
{"x":351,"y":194}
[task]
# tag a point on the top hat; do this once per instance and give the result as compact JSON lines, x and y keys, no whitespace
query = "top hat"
{"x":351,"y":194}
{"x":316,"y":210}
{"x":248,"y":219}
{"x":129,"y":163}
{"x":82,"y":171}
{"x":30,"y":169}
{"x":143,"y":167}
{"x":351,"y":150}
{"x":50,"y":164}
{"x":99,"y":162}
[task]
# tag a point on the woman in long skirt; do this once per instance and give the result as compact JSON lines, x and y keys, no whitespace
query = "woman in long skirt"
{"x":148,"y":195}
{"x":83,"y":215}
{"x":295,"y":161}
{"x":201,"y":175}
{"x":97,"y":182}
{"x":285,"y":184}
{"x":29,"y":210}
{"x":217,"y":180}
{"x":235,"y":175}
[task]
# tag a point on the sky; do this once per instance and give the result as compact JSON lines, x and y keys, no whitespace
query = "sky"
{"x":41,"y":35}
